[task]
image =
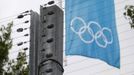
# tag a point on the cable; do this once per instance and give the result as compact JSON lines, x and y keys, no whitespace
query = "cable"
{"x":16,"y":16}
{"x":83,"y":68}
{"x":106,"y":20}
{"x":84,"y":59}
{"x":25,"y":22}
{"x":21,"y":43}
{"x":78,"y":38}
{"x":77,"y":46}
{"x":87,"y":67}
{"x":121,"y":48}
{"x":12,"y":52}
{"x":25,"y":35}
{"x":19,"y":17}
{"x":81,"y":61}
{"x":65,"y":28}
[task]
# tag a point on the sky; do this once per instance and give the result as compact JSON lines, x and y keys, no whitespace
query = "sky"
{"x":11,"y":7}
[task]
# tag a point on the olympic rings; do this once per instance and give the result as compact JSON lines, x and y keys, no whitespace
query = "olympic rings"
{"x":94,"y":36}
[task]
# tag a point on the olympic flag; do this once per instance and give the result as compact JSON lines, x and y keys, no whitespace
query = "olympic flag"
{"x":91,"y":30}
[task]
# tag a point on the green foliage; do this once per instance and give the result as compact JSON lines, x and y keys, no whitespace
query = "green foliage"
{"x":16,"y":66}
{"x":129,"y":14}
{"x":5,"y":44}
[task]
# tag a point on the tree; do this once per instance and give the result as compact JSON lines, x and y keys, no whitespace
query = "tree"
{"x":129,"y":14}
{"x":16,"y":66}
{"x":5,"y":44}
{"x":20,"y":67}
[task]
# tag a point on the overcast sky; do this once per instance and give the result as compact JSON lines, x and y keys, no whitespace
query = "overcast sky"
{"x":11,"y":7}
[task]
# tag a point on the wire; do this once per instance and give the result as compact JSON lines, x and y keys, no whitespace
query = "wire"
{"x":21,"y":16}
{"x":21,"y":43}
{"x":121,"y":48}
{"x":77,"y":46}
{"x":25,"y":35}
{"x":58,"y":38}
{"x":25,"y":22}
{"x":124,"y":48}
{"x":81,"y":61}
{"x":12,"y":52}
{"x":77,"y":38}
{"x":83,"y":68}
{"x":106,"y":20}
{"x":87,"y":67}
{"x":15,"y":16}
